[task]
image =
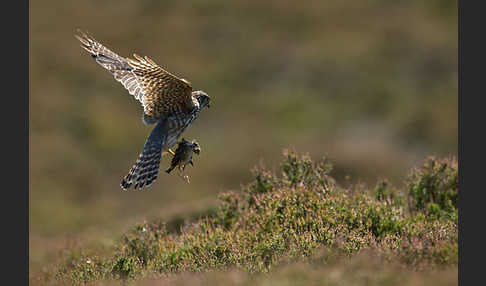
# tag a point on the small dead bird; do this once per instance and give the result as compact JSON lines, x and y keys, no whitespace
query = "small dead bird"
{"x":183,"y":155}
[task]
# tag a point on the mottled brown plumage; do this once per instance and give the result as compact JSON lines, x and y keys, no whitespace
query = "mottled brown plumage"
{"x":183,"y":156}
{"x":158,"y":90}
{"x":166,"y":99}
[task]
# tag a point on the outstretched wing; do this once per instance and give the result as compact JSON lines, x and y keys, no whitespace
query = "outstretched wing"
{"x":158,"y":90}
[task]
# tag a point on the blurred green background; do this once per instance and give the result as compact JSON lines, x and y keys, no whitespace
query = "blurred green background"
{"x":371,"y":84}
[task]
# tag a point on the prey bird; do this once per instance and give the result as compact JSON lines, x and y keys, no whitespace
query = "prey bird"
{"x":183,"y":156}
{"x":168,"y":101}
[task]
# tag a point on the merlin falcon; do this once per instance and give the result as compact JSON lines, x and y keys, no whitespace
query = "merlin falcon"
{"x":168,"y":101}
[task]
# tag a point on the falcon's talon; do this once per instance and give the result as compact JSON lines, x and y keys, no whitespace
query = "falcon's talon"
{"x":167,"y":100}
{"x":186,"y":179}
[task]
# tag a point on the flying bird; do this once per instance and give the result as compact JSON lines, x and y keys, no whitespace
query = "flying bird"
{"x":183,"y":156}
{"x":168,"y":101}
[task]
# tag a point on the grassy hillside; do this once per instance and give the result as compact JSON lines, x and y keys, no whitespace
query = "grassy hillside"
{"x":295,"y":216}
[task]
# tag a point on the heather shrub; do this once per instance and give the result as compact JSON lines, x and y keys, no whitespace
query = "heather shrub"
{"x":433,"y":188}
{"x":288,"y":216}
{"x":302,"y":171}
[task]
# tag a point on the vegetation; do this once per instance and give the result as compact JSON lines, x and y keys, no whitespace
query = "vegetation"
{"x":298,"y":215}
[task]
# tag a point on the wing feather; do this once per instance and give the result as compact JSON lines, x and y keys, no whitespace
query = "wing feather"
{"x":158,"y":90}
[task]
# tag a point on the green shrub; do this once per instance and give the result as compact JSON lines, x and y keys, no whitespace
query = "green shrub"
{"x":290,"y":217}
{"x":126,"y":267}
{"x":433,"y":188}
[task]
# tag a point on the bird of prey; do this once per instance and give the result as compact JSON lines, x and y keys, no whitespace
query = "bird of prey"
{"x":167,"y":100}
{"x":183,"y":156}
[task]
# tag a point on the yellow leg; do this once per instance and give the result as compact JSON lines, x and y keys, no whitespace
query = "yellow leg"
{"x":168,"y":152}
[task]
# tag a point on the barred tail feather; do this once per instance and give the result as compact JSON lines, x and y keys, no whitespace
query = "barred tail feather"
{"x":146,"y":169}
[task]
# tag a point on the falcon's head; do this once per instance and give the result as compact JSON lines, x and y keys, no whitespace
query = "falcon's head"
{"x":202,"y":97}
